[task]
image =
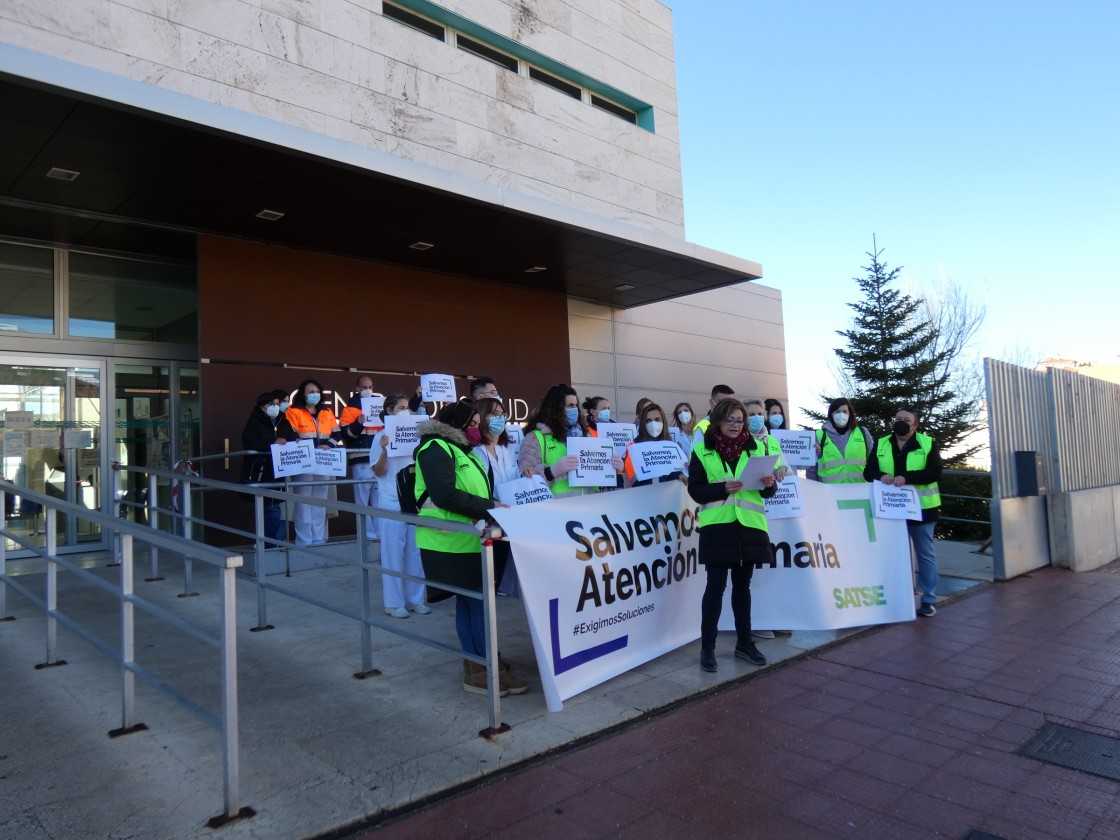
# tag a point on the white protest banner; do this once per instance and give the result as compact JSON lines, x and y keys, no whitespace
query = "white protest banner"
{"x":403,"y":434}
{"x":890,"y":502}
{"x":619,"y":434}
{"x":655,"y":458}
{"x":609,"y":582}
{"x":786,"y":502}
{"x":798,"y":447}
{"x":837,"y":566}
{"x":437,"y":387}
{"x":77,"y":438}
{"x":19,"y":420}
{"x":516,"y":435}
{"x":15,"y":444}
{"x":524,"y":491}
{"x":44,"y":438}
{"x":371,"y":410}
{"x":595,"y":468}
{"x":329,"y":461}
{"x":290,"y":459}
{"x":756,"y":468}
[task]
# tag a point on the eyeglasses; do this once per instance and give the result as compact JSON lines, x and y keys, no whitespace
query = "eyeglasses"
{"x":736,"y":421}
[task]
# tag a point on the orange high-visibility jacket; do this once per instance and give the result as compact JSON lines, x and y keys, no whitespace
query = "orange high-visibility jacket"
{"x":318,"y":427}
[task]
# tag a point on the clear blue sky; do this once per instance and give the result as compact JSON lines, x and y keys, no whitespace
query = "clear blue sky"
{"x":980,"y":142}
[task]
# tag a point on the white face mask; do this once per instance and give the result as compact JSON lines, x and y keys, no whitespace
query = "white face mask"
{"x":840,"y":419}
{"x":366,"y":392}
{"x":685,"y":417}
{"x":654,"y":427}
{"x":272,"y":410}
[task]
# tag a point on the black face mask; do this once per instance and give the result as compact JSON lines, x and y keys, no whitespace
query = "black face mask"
{"x":901,"y":428}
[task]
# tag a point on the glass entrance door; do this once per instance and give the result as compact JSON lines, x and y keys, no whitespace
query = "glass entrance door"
{"x":52,"y":434}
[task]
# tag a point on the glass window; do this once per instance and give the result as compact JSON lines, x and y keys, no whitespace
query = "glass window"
{"x":415,"y":21}
{"x":26,"y":289}
{"x":482,"y":51}
{"x":552,"y":81}
{"x":132,"y":300}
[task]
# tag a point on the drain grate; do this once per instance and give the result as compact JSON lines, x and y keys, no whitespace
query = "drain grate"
{"x":1075,"y":749}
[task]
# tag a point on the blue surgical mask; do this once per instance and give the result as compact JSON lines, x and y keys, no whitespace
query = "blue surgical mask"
{"x":571,"y":415}
{"x":756,"y":423}
{"x":497,"y":425}
{"x":776,"y":421}
{"x":313,"y":398}
{"x":272,"y":410}
{"x":603,"y":416}
{"x":284,"y":405}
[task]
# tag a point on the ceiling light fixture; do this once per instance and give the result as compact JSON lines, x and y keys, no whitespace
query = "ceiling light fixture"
{"x":270,"y":215}
{"x":422,"y":246}
{"x":625,"y":287}
{"x":60,"y":174}
{"x":536,"y":269}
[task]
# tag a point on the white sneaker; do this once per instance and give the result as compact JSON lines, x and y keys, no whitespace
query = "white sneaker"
{"x":763,"y":634}
{"x":399,"y":612}
{"x":421,"y":609}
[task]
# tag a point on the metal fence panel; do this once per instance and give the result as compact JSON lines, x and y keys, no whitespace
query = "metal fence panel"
{"x":1018,"y":420}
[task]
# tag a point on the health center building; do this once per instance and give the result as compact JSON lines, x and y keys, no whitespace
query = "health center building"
{"x":201,"y":200}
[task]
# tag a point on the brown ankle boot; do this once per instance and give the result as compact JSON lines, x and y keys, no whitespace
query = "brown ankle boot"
{"x":474,"y":679}
{"x":512,"y":684}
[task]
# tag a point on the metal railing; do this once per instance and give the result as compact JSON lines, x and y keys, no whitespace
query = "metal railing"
{"x":986,"y":499}
{"x":367,"y":619}
{"x":123,"y":534}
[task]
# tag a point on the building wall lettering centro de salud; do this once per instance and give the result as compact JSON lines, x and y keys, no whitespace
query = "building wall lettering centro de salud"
{"x":204,"y":199}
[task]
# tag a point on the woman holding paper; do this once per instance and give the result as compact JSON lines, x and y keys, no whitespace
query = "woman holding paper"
{"x":652,"y":427}
{"x":260,"y":433}
{"x":453,"y":485}
{"x":545,"y":448}
{"x":684,"y":421}
{"x":597,"y":410}
{"x":308,"y":420}
{"x":733,"y":532}
{"x":842,"y":446}
{"x":497,"y":456}
{"x":398,"y":539}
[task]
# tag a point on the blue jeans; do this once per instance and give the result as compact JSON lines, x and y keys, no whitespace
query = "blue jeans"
{"x":470,"y":624}
{"x":274,"y":524}
{"x":921,"y":535}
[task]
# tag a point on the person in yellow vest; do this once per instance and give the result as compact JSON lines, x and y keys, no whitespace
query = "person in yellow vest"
{"x":454,"y":485}
{"x":310,"y":420}
{"x":719,"y":393}
{"x":909,"y":457}
{"x":842,"y":446}
{"x":733,"y":533}
{"x":544,"y":451}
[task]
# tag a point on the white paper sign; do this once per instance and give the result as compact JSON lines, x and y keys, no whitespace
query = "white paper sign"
{"x":44,"y":438}
{"x":890,"y":502}
{"x":756,"y":468}
{"x":798,"y":447}
{"x":524,"y":491}
{"x":786,"y":502}
{"x":516,"y":436}
{"x":620,"y":435}
{"x":371,"y":410}
{"x":655,"y":458}
{"x":437,"y":387}
{"x":403,"y":434}
{"x":329,"y":461}
{"x":595,"y":468}
{"x":290,"y":459}
{"x":77,"y":438}
{"x":15,"y":444}
{"x":19,"y":419}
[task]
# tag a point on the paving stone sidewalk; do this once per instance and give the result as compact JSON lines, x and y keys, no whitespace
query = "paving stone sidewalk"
{"x":910,"y":731}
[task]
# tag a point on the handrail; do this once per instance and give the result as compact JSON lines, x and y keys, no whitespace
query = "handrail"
{"x":367,"y":618}
{"x":124,"y":533}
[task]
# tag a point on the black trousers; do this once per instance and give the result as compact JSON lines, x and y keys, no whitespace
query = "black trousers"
{"x":712,"y":606}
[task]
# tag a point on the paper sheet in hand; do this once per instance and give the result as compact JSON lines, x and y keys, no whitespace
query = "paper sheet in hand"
{"x":437,"y":387}
{"x":655,"y":458}
{"x":798,"y":447}
{"x":290,"y":459}
{"x":403,"y":434}
{"x":786,"y":503}
{"x":524,"y":491}
{"x":371,"y":410}
{"x":619,"y":434}
{"x":756,"y":468}
{"x":329,"y":461}
{"x":595,"y":468}
{"x":890,"y":502}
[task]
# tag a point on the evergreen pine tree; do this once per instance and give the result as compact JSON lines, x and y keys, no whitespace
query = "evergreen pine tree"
{"x":901,"y":351}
